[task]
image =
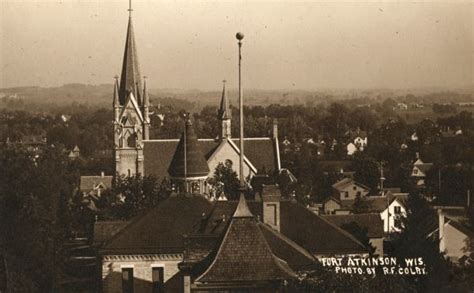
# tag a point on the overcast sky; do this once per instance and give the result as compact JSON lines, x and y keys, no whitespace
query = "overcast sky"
{"x":192,"y":45}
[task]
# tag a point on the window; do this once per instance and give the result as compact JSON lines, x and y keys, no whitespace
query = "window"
{"x":415,"y":171}
{"x":354,"y":188}
{"x":397,"y":210}
{"x":346,"y":194}
{"x":127,"y":280}
{"x":158,"y":279}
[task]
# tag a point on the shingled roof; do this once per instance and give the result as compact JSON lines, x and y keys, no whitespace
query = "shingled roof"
{"x":244,"y":255}
{"x":308,"y":230}
{"x":188,"y":159}
{"x":261,"y":152}
{"x":160,"y":230}
{"x":372,"y":222}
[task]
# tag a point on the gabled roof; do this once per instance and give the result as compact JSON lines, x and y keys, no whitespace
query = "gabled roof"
{"x":130,"y":80}
{"x":244,"y":255}
{"x":131,"y":100}
{"x":372,"y":222}
{"x":161,"y":229}
{"x":188,"y":159}
{"x":88,"y":183}
{"x":342,"y":184}
{"x":158,"y":153}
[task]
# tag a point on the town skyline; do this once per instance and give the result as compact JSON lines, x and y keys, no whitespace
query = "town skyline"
{"x":307,"y":46}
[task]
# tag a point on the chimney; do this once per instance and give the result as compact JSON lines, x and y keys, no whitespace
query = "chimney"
{"x":102,"y":174}
{"x":275,"y":128}
{"x":271,"y":197}
{"x":442,"y":244}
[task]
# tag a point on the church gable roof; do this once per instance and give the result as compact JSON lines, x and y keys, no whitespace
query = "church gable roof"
{"x":159,"y":153}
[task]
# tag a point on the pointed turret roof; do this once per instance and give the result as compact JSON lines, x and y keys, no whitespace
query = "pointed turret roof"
{"x":196,"y":164}
{"x":130,"y":80}
{"x":224,"y":110}
{"x":244,"y":254}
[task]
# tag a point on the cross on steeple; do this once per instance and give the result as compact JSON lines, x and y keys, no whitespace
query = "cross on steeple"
{"x":130,"y":8}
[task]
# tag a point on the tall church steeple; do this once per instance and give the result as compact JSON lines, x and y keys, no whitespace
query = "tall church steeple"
{"x":130,"y":80}
{"x":224,"y":114}
{"x":131,"y":126}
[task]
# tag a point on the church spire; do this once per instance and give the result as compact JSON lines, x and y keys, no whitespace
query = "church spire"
{"x":224,"y":110}
{"x":224,"y":114}
{"x":130,"y":80}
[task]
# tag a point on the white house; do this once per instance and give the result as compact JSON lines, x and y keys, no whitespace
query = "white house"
{"x":391,"y":215}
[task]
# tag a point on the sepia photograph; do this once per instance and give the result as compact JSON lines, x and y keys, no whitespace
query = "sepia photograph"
{"x":236,"y":146}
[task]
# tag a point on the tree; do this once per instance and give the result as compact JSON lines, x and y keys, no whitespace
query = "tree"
{"x":413,"y":242}
{"x":226,"y":180}
{"x":31,"y":234}
{"x":366,"y":170}
{"x":131,"y":196}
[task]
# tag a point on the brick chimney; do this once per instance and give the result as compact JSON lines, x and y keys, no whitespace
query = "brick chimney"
{"x":271,"y":197}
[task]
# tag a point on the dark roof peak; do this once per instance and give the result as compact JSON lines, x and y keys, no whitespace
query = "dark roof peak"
{"x":188,"y":159}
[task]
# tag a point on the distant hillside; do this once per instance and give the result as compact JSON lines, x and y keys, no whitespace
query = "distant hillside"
{"x":195,"y":100}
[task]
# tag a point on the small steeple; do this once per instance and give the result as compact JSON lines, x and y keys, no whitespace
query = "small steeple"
{"x":130,"y":80}
{"x":224,"y":114}
{"x":224,"y":110}
{"x":146,"y":98}
{"x":116,"y":92}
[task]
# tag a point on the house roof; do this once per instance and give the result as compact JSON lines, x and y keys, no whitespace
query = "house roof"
{"x":377,"y":203}
{"x":88,"y":183}
{"x":342,"y":184}
{"x":296,"y":223}
{"x":188,"y":159}
{"x":244,"y":255}
{"x":161,"y":229}
{"x":372,"y":222}
{"x":104,"y":230}
{"x":158,"y":154}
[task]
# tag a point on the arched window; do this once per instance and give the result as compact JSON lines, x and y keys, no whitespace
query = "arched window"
{"x":132,"y":140}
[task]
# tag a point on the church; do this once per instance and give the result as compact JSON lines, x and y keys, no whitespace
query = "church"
{"x":188,"y":162}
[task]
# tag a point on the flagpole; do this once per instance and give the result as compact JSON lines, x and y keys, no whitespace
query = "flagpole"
{"x":239,"y":37}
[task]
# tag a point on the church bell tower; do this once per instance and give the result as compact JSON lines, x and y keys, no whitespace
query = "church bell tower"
{"x":131,"y":111}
